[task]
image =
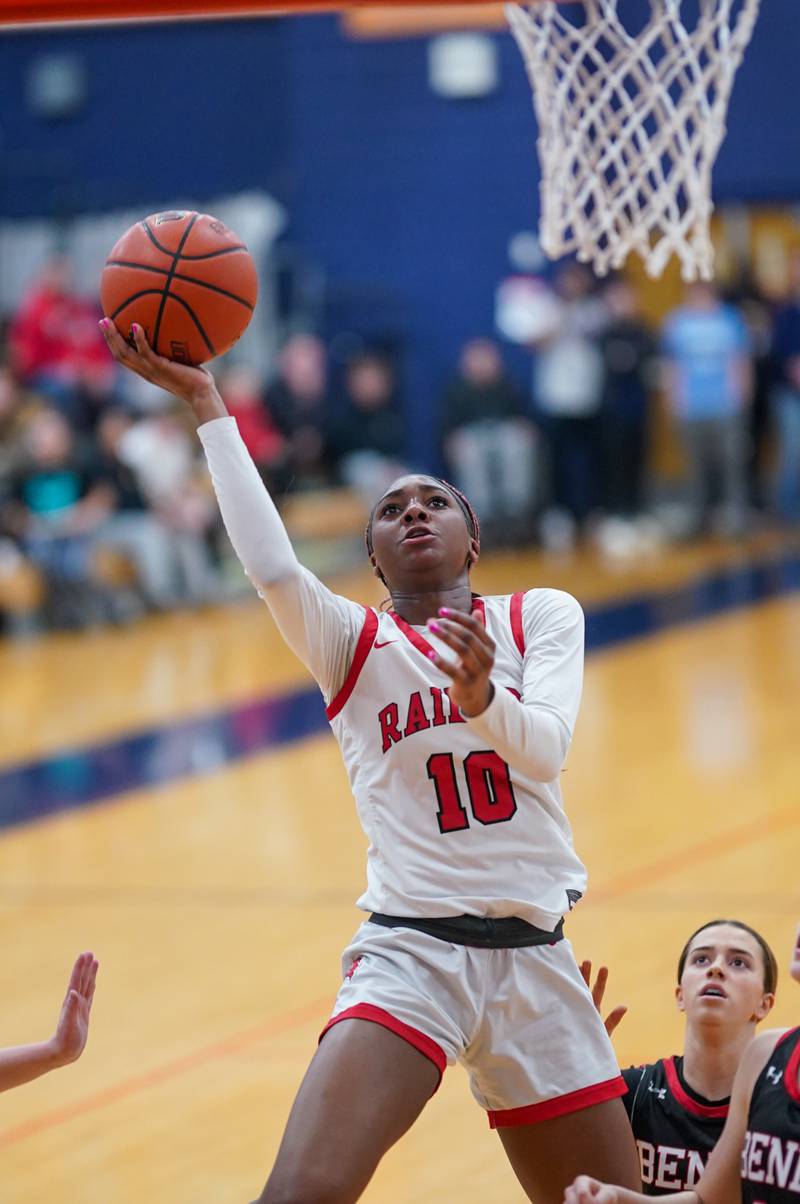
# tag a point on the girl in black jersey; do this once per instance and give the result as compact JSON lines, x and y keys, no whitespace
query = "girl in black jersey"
{"x":678,"y":1106}
{"x":757,"y":1159}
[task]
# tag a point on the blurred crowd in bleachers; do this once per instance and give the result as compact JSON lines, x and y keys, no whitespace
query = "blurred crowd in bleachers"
{"x":106,"y":511}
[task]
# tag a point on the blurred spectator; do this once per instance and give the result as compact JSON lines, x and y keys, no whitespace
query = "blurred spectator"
{"x":368,"y":440}
{"x":756,"y":311}
{"x":629,"y":357}
{"x":786,"y":398}
{"x":162,"y":454}
{"x":568,"y":390}
{"x":299,"y":402}
{"x":56,"y":507}
{"x":11,"y":408}
{"x":131,"y":528}
{"x":490,"y":442}
{"x":240,"y":388}
{"x":57,"y":349}
{"x":709,"y":382}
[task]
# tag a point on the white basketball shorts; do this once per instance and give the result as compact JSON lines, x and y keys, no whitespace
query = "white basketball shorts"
{"x":521,"y":1021}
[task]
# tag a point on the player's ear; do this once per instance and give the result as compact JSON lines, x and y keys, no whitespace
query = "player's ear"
{"x":473,"y":554}
{"x":764,"y":1008}
{"x":376,"y":571}
{"x":679,"y":998}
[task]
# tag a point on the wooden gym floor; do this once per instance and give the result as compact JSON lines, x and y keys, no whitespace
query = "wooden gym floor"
{"x":171,"y":799}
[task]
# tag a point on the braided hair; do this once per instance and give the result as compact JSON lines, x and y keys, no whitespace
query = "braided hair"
{"x":464,"y":505}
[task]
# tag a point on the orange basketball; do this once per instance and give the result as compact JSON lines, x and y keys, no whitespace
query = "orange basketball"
{"x":186,"y":279}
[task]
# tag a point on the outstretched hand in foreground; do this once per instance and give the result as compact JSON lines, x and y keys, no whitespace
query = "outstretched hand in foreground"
{"x":22,"y":1063}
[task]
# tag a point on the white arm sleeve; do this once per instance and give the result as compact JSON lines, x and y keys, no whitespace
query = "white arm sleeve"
{"x":319,"y":626}
{"x":534,"y":735}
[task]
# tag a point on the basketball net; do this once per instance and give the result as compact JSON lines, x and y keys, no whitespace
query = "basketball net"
{"x":630,"y":126}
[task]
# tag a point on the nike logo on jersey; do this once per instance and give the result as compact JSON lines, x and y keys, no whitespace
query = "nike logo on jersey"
{"x":774,"y":1075}
{"x":383,"y":643}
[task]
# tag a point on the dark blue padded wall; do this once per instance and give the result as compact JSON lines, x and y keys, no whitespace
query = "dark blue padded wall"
{"x":406,"y":200}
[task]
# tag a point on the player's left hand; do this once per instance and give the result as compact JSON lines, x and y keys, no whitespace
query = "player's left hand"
{"x":73,"y":1024}
{"x":598,"y":990}
{"x":466,"y":634}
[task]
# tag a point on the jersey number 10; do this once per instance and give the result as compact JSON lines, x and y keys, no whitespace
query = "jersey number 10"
{"x":491,"y":794}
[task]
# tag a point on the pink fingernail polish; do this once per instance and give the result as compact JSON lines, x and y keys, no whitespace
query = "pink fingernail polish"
{"x":444,"y":610}
{"x":431,"y":655}
{"x":434,"y":627}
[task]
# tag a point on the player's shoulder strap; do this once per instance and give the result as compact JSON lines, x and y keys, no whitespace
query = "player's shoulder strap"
{"x":515,"y":614}
{"x":366,"y":638}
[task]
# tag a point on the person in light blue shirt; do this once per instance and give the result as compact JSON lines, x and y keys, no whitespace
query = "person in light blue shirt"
{"x":709,"y":382}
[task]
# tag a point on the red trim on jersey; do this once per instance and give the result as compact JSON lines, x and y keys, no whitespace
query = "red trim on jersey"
{"x":562,"y":1105}
{"x":792,"y":1067}
{"x":707,"y":1111}
{"x":375,"y":1015}
{"x":479,"y":605}
{"x":418,"y":640}
{"x":365,"y":641}
{"x":413,"y":637}
{"x":516,"y":621}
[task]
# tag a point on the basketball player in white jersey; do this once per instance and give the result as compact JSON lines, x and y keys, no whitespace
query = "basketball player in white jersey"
{"x":454,"y":715}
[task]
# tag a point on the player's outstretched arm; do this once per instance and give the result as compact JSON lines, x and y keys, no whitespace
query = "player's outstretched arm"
{"x":320,"y":627}
{"x":25,"y":1062}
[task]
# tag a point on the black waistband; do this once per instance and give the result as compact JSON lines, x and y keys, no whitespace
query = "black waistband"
{"x":508,"y":932}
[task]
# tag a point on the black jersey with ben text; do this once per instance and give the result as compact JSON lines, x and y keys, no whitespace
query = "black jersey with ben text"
{"x":771,"y":1154}
{"x":675,"y":1128}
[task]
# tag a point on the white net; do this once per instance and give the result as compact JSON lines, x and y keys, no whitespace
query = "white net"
{"x":630,"y":126}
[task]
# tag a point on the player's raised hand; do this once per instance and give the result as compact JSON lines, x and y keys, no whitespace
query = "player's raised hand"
{"x":466,"y":634}
{"x":586,"y":1190}
{"x":72,"y":1031}
{"x":193,"y":385}
{"x":598,"y":989}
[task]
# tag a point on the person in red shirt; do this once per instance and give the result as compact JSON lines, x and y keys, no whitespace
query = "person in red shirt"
{"x":55,"y":345}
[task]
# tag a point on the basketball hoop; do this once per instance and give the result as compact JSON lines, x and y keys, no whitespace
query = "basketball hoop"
{"x":630,"y":126}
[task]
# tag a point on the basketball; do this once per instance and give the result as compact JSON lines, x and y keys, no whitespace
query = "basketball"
{"x":186,"y":279}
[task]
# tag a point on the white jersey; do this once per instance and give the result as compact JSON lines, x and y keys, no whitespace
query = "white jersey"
{"x":463,"y":817}
{"x":453,"y":827}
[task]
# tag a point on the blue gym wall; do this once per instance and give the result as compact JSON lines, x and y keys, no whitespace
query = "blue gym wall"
{"x":406,"y":200}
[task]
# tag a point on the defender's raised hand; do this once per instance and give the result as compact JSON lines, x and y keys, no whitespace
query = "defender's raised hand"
{"x":22,"y":1063}
{"x":598,"y":990}
{"x":472,"y":689}
{"x":72,"y":1031}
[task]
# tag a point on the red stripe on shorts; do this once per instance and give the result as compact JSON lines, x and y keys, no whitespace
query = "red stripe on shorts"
{"x":562,"y":1105}
{"x":424,"y":1044}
